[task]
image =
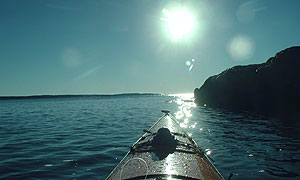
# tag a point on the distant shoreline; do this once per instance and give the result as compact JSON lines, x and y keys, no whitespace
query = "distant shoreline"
{"x":77,"y":96}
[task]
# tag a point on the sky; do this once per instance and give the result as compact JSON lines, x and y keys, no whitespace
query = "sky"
{"x":126,"y":46}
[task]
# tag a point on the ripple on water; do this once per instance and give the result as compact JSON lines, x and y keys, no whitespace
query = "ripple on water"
{"x":76,"y":138}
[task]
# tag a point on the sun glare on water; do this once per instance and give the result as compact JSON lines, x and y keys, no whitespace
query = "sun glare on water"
{"x":180,"y":22}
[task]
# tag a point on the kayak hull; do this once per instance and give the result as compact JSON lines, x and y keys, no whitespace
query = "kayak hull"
{"x":188,"y":161}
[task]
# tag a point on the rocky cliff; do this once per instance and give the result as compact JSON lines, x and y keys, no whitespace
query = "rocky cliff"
{"x":272,"y":87}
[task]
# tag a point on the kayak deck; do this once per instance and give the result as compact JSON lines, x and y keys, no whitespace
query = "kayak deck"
{"x":188,"y":161}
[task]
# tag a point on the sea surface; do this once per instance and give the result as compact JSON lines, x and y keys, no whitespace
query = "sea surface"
{"x":76,"y":137}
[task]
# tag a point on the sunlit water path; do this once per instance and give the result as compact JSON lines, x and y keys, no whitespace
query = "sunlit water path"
{"x":75,"y":138}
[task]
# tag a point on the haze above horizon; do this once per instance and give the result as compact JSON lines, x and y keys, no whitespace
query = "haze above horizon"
{"x":55,"y":47}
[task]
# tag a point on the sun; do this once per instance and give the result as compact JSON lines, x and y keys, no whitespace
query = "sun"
{"x":180,"y":22}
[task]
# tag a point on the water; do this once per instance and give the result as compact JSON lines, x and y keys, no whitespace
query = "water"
{"x":74,"y":138}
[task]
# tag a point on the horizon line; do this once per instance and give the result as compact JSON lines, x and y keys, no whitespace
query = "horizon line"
{"x":82,"y":95}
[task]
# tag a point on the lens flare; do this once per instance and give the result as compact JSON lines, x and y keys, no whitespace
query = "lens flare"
{"x":190,"y":64}
{"x":191,"y":67}
{"x":241,"y":48}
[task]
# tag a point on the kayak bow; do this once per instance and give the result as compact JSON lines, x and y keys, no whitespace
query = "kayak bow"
{"x":165,"y":151}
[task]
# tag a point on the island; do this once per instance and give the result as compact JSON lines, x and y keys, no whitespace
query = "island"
{"x":270,"y":88}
